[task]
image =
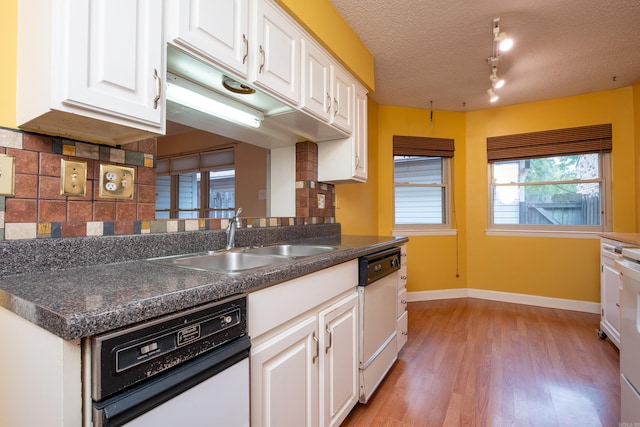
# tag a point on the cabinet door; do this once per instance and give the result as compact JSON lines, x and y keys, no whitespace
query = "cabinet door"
{"x":284,"y":378}
{"x":360,"y":135}
{"x":316,"y":75}
{"x":610,"y":295}
{"x":277,"y":66}
{"x":342,"y":105}
{"x":402,"y":331}
{"x":115,"y":58}
{"x":214,"y":29}
{"x":339,"y":360}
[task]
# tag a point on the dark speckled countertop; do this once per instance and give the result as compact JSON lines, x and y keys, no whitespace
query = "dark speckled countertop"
{"x":88,"y":299}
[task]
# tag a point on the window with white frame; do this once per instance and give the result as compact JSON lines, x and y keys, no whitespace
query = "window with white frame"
{"x":421,"y":175}
{"x":551,"y":180}
{"x":200,"y":185}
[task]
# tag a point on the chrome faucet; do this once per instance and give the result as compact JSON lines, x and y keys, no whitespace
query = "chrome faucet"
{"x":231,"y":230}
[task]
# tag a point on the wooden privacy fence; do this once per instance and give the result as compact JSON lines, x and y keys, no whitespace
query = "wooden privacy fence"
{"x":581,"y":210}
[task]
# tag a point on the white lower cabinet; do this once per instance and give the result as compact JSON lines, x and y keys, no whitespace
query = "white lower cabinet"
{"x":402,"y":323}
{"x":284,"y":382}
{"x":304,"y":356}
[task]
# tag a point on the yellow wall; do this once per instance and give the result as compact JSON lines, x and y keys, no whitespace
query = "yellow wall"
{"x":552,"y":267}
{"x":636,"y":124}
{"x":8,"y":53}
{"x":434,"y":262}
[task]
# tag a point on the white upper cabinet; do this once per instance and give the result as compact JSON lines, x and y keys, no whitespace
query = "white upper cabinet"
{"x":218,"y":31}
{"x":327,"y":90}
{"x":92,"y":70}
{"x":316,"y":81}
{"x":342,"y":99}
{"x":277,"y":39}
{"x":344,"y":161}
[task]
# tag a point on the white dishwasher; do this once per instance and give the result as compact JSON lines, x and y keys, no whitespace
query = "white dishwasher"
{"x":377,"y":292}
{"x":630,"y":336}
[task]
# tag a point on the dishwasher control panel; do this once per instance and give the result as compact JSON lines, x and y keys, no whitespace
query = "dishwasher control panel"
{"x":132,"y":354}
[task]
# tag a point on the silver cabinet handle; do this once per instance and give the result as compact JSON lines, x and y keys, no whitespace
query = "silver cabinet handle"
{"x":263,"y":59}
{"x":246,"y":48}
{"x":405,"y":333}
{"x":336,"y":107}
{"x":315,"y":356}
{"x":357,"y":160}
{"x":326,"y":349}
{"x":403,"y":277}
{"x":403,"y":302}
{"x":328,"y":103}
{"x":158,"y":88}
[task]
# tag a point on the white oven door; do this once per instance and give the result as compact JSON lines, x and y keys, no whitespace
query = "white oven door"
{"x":222,"y":400}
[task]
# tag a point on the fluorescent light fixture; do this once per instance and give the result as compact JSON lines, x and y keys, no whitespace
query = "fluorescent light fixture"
{"x":191,"y":95}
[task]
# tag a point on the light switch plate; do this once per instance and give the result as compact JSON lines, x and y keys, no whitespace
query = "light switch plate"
{"x":116,"y":182}
{"x":73,"y":178}
{"x":7,"y":175}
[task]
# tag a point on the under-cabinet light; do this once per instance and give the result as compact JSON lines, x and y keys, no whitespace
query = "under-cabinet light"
{"x":209,"y":102}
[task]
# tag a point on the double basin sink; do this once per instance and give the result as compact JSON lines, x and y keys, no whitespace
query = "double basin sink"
{"x":242,"y":259}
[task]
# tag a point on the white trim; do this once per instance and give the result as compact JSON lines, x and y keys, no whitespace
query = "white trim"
{"x":425,"y":232}
{"x":559,"y":303}
{"x":547,"y":233}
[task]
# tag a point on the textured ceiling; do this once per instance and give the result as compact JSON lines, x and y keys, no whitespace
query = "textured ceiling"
{"x":437,"y":50}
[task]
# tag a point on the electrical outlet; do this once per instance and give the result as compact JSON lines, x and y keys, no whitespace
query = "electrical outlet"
{"x":7,"y":175}
{"x":320,"y":201}
{"x":73,"y":178}
{"x":116,"y":182}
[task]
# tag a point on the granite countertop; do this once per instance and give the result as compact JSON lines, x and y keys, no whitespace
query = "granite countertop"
{"x":630,"y":238}
{"x":87,"y":300}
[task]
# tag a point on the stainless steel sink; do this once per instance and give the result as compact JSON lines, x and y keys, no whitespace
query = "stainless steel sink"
{"x":242,"y":259}
{"x":224,"y":262}
{"x":293,"y":251}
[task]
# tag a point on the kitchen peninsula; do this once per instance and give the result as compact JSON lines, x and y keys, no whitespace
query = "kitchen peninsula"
{"x":75,"y":288}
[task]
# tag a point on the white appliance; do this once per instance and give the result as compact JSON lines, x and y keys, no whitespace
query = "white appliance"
{"x":630,"y":336}
{"x":190,"y":368}
{"x":377,"y":290}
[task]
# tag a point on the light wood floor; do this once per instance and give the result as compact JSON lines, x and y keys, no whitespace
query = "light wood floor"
{"x":471,"y":362}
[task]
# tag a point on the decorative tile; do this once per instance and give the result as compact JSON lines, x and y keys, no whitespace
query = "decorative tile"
{"x":68,"y":150}
{"x":191,"y":225}
{"x":95,"y":228}
{"x":12,"y":139}
{"x":87,"y":151}
{"x":17,"y":231}
{"x":117,"y":156}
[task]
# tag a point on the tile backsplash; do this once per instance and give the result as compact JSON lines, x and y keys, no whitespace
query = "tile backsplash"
{"x":38,"y":210}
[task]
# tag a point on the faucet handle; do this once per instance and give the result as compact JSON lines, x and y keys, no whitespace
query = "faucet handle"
{"x":238,"y":212}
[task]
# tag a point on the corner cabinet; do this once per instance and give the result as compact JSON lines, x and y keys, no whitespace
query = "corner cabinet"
{"x":304,"y":356}
{"x":91,"y":70}
{"x":344,"y":161}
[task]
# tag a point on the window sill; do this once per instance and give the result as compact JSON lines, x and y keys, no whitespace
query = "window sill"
{"x":559,"y":234}
{"x":424,"y":232}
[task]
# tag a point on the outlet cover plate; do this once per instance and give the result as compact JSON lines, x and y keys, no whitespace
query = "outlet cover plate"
{"x":7,"y":175}
{"x":116,"y":182}
{"x":73,"y":178}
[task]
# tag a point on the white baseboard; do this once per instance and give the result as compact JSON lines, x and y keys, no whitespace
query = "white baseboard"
{"x":563,"y":304}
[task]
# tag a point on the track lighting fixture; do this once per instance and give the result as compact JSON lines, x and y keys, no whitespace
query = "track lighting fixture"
{"x":496,"y":82}
{"x":492,"y":96}
{"x":501,"y":43}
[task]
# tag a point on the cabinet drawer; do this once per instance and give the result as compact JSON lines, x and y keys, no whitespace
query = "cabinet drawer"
{"x":275,"y":305}
{"x":402,"y":277}
{"x":402,"y":330}
{"x":403,"y":254}
{"x":402,"y":302}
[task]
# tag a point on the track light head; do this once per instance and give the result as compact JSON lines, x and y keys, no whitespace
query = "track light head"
{"x":504,"y":42}
{"x":492,"y":96}
{"x":496,"y":82}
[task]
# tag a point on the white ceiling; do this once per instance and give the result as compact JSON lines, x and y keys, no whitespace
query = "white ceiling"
{"x":437,"y":50}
